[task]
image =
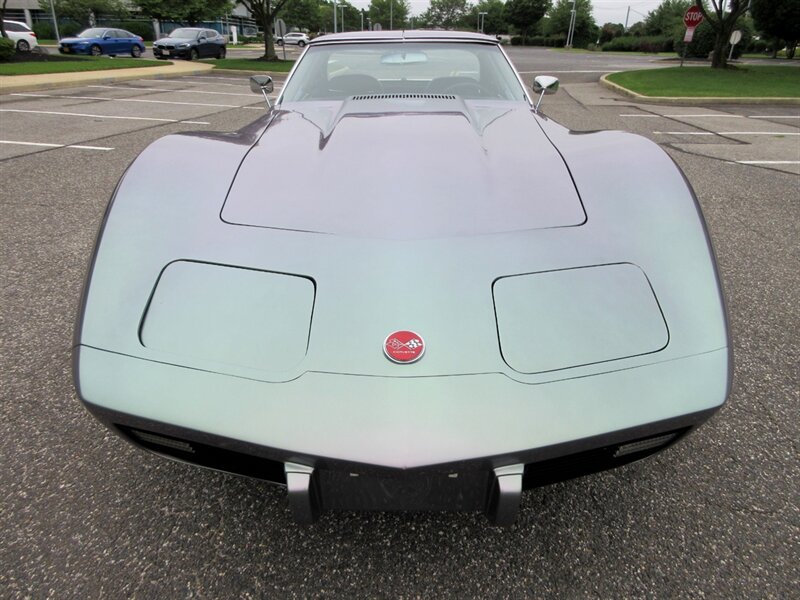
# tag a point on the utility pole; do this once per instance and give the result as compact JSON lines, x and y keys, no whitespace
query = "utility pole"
{"x":341,"y":7}
{"x":628,"y":14}
{"x":391,"y":15}
{"x":362,"y":19}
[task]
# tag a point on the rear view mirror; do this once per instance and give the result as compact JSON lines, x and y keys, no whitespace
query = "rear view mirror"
{"x":404,"y":58}
{"x":544,"y":84}
{"x":262,"y":84}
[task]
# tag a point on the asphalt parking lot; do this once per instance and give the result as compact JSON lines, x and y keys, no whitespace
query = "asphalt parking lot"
{"x":85,"y":515}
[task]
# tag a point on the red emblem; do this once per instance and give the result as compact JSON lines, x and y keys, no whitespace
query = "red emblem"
{"x":404,"y":347}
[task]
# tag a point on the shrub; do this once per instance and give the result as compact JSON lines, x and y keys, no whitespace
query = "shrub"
{"x":702,"y":43}
{"x":639,"y":44}
{"x":44,"y":30}
{"x":144,"y":29}
{"x":516,"y":40}
{"x":70,"y":29}
{"x":7,"y":49}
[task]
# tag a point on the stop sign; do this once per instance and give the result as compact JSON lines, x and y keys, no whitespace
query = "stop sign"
{"x":693,"y":17}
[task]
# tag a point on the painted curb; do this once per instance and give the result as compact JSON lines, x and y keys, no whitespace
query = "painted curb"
{"x":21,"y":83}
{"x":687,"y":100}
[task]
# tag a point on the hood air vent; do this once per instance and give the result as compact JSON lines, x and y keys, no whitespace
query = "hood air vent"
{"x":405,"y":97}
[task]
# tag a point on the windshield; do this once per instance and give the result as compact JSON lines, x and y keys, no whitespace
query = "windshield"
{"x":468,"y":70}
{"x":186,"y":34}
{"x":92,"y":33}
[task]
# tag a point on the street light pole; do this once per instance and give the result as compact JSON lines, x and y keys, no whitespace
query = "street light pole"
{"x":571,"y":31}
{"x":55,"y":21}
{"x":335,"y":7}
{"x":341,"y":6}
{"x":391,"y":15}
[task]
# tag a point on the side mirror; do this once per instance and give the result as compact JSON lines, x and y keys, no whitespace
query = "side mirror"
{"x":201,"y":39}
{"x":544,"y":84}
{"x":261,"y":84}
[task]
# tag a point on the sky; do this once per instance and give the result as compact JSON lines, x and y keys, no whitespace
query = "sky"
{"x":605,"y":11}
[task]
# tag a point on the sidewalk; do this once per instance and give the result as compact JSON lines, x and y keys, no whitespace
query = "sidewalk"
{"x":21,"y":83}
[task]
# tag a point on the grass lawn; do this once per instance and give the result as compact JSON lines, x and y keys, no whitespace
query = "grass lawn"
{"x":750,"y":81}
{"x":251,"y":64}
{"x":57,"y":64}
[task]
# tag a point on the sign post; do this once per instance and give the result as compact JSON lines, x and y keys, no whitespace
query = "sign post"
{"x":692,"y":18}
{"x":736,"y":37}
{"x":280,"y":30}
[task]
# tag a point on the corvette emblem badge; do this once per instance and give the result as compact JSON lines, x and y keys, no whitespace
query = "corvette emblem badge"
{"x":404,"y":347}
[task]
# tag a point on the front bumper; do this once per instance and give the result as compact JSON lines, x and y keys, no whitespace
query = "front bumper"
{"x":401,"y":443}
{"x":176,"y":53}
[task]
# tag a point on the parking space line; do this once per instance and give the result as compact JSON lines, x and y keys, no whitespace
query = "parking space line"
{"x":149,"y":89}
{"x":243,"y":79}
{"x":779,"y":133}
{"x":768,"y":162}
{"x":650,"y":116}
{"x":710,"y":116}
{"x":127,"y":100}
{"x":44,"y":145}
{"x":67,"y":114}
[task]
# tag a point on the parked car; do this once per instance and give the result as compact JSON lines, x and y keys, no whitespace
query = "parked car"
{"x":298,"y":38}
{"x":22,"y":35}
{"x":103,"y":40}
{"x":404,"y":287}
{"x":191,"y":43}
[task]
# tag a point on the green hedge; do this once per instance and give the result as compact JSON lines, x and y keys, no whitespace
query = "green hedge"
{"x":143,"y":29}
{"x":7,"y":49}
{"x":552,"y":41}
{"x":639,"y":44}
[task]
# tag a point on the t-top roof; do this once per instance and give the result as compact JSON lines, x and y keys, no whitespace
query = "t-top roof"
{"x":399,"y":36}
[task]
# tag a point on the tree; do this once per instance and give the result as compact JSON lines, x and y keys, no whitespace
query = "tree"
{"x":445,"y":14}
{"x":391,"y":14}
{"x":304,"y":14}
{"x":83,"y":11}
{"x":611,"y":30}
{"x":779,"y":19}
{"x":265,"y":12}
{"x":524,"y":14}
{"x":723,"y":25}
{"x":666,"y":17}
{"x":494,"y":21}
{"x":2,"y":18}
{"x":585,"y":28}
{"x":190,"y":11}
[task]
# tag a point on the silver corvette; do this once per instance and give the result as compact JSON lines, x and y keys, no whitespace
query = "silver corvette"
{"x":403,"y":288}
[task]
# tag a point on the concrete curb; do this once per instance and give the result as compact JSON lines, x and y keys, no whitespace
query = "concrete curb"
{"x":21,"y":83}
{"x":687,"y":100}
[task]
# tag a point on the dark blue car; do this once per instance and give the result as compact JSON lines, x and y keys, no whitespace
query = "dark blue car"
{"x":103,"y":40}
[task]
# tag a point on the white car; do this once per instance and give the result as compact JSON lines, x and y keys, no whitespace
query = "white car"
{"x":297,"y":37}
{"x":22,"y":36}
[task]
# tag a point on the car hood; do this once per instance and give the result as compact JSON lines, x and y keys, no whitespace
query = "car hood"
{"x":407,"y":167}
